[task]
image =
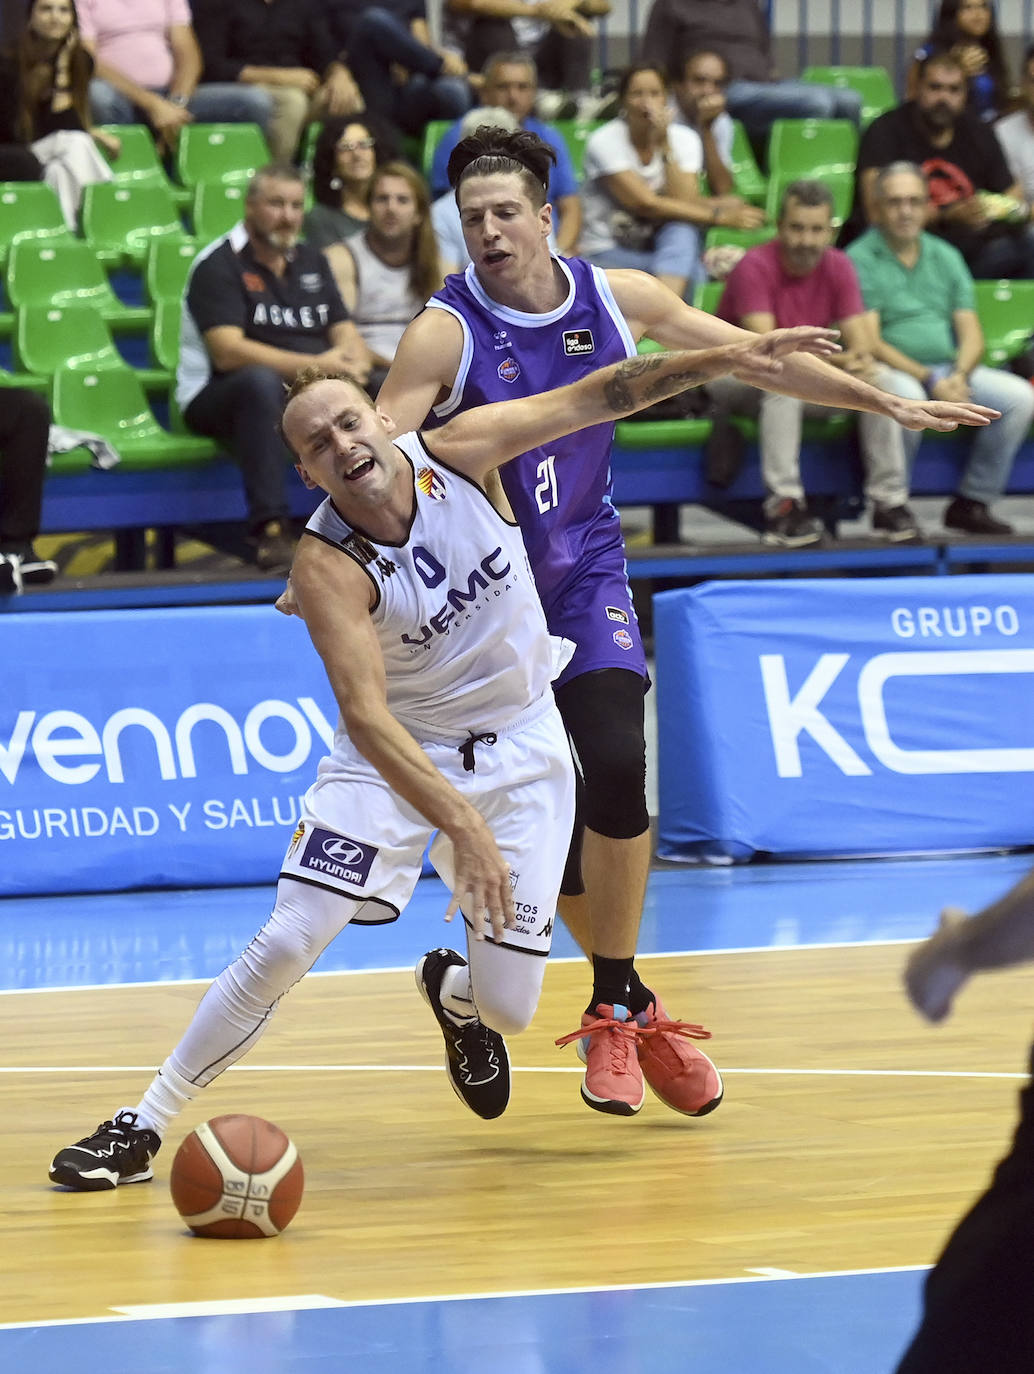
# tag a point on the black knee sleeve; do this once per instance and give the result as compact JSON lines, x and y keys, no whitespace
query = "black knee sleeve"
{"x":603,"y":713}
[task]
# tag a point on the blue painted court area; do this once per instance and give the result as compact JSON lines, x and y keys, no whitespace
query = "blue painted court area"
{"x":139,"y":937}
{"x":833,"y":1324}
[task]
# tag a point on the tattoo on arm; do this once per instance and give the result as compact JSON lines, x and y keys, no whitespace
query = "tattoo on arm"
{"x":631,"y":386}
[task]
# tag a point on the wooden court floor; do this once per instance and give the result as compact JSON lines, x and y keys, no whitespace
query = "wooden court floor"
{"x":851,"y":1137}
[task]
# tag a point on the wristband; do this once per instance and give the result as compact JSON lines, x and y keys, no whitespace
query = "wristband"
{"x":937,"y":374}
{"x":180,"y":100}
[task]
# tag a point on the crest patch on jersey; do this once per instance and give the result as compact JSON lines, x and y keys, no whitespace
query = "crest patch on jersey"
{"x":623,"y":639}
{"x":578,"y":341}
{"x":431,"y":484}
{"x":508,"y":370}
{"x":338,"y":857}
{"x":616,"y":613}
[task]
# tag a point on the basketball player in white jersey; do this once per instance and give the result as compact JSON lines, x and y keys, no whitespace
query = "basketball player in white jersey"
{"x":420,"y":600}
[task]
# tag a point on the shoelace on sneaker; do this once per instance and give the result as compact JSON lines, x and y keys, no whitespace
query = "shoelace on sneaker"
{"x":621,"y":1042}
{"x":661,"y":1026}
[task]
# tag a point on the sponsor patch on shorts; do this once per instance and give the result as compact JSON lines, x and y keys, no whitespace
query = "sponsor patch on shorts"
{"x":337,"y":856}
{"x":578,"y":342}
{"x":623,"y":639}
{"x":616,"y":613}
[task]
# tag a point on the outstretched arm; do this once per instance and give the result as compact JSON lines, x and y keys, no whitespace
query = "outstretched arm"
{"x":1000,"y":935}
{"x":650,"y":308}
{"x":481,"y":439}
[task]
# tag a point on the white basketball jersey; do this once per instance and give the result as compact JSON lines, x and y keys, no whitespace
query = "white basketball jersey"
{"x":461,"y":628}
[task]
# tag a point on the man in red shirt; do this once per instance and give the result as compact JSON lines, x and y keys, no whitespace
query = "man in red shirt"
{"x":798,"y":278}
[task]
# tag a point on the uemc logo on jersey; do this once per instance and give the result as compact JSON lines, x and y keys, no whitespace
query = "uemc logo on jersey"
{"x":460,"y":599}
{"x":337,"y":856}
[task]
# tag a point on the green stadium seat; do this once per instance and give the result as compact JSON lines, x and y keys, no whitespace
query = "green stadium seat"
{"x":739,"y":238}
{"x":120,"y":222}
{"x":220,"y":152}
{"x":707,"y":294}
{"x":138,"y":163}
{"x":217,"y":208}
{"x":60,"y":336}
{"x":110,"y":401}
{"x":748,"y":180}
{"x":434,"y":132}
{"x":165,"y":333}
{"x":168,"y":266}
{"x":60,"y":272}
{"x":27,"y":381}
{"x":811,"y":147}
{"x":873,"y":84}
{"x":1006,"y":311}
{"x":29,"y":208}
{"x":575,"y":134}
{"x":310,"y":137}
{"x":840,"y":184}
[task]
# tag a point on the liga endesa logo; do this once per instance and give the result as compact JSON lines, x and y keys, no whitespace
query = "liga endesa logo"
{"x":68,"y":747}
{"x":793,"y":713}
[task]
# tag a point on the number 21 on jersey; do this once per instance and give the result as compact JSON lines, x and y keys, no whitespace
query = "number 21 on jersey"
{"x":546,"y":492}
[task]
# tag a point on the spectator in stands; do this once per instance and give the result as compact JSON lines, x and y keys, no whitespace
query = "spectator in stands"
{"x":403,"y":75}
{"x":24,"y":427}
{"x":967,"y":29}
{"x":45,"y":104}
{"x":557,"y":35}
{"x":388,"y":270}
{"x":641,"y":201}
{"x":348,"y":150}
{"x":445,"y":213}
{"x":260,"y":306}
{"x":283,"y":51}
{"x":975,"y":203}
{"x":1015,"y":133}
{"x":738,"y":31}
{"x":927,"y":334}
{"x":799,"y":279}
{"x":510,"y":82}
{"x":148,"y":68}
{"x":698,"y":84}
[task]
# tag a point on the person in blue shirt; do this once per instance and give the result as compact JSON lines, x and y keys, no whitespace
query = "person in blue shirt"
{"x":511,"y":81}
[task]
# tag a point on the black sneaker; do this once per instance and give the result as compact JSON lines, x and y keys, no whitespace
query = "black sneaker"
{"x":896,"y":523}
{"x":475,"y":1057}
{"x":36,"y":570}
{"x":119,"y":1151}
{"x":973,"y":517}
{"x":790,"y":526}
{"x":274,"y":547}
{"x":10,"y":575}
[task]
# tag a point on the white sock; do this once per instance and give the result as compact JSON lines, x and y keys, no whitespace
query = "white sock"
{"x":168,"y":1094}
{"x":456,"y":994}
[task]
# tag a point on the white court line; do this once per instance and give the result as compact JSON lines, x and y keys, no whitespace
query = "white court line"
{"x":514,"y":1068}
{"x":408,"y":968}
{"x":259,"y":1305}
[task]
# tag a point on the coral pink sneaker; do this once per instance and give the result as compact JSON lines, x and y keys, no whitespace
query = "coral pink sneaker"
{"x":613,"y":1080}
{"x":681,"y":1075}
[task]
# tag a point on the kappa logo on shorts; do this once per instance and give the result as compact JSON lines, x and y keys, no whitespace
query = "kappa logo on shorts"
{"x":508,"y":370}
{"x":339,"y":857}
{"x":616,"y":613}
{"x":623,"y":639}
{"x":578,"y":341}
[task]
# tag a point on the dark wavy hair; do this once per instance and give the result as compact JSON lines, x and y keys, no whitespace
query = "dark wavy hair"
{"x":324,"y":157}
{"x":946,"y":35}
{"x":488,"y":151}
{"x":36,"y":68}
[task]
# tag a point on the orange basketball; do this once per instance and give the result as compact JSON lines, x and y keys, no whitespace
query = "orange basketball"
{"x":237,"y":1178}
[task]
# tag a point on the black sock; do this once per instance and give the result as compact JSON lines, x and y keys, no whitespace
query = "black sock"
{"x":609,"y":982}
{"x":639,"y":995}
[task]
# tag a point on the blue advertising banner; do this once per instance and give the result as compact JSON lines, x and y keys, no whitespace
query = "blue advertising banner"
{"x":155,"y":749}
{"x":882,"y":716}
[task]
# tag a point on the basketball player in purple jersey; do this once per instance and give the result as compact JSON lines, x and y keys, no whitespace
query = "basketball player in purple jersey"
{"x":517,"y":321}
